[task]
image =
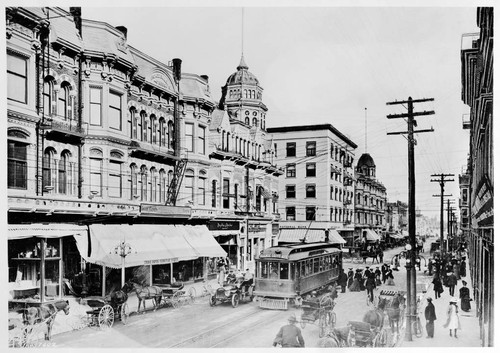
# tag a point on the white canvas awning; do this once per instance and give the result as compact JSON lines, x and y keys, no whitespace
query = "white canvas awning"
{"x":53,"y":230}
{"x":149,"y":244}
{"x":371,"y":235}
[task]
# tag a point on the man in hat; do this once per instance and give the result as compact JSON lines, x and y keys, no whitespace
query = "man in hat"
{"x":342,"y":280}
{"x":289,"y":335}
{"x":452,"y":282}
{"x":430,"y":317}
{"x":231,"y":277}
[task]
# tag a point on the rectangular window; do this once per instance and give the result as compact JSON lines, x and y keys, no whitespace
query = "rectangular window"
{"x":310,"y":148}
{"x":201,"y":139}
{"x":290,"y":213}
{"x":310,"y":190}
{"x":290,"y":191}
{"x":95,"y":177}
{"x":115,"y":111}
{"x":310,"y":169}
{"x":95,"y":106}
{"x":17,"y":165}
{"x":290,"y":149}
{"x":290,"y":171}
{"x":201,"y":191}
{"x":225,"y":193}
{"x":310,"y":213}
{"x":189,"y":137}
{"x":17,"y":79}
{"x":115,"y":179}
{"x":189,"y":183}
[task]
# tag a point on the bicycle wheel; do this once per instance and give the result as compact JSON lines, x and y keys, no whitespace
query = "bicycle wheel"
{"x":417,"y":327}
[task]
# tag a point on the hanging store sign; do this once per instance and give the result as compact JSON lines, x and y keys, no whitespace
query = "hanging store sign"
{"x":223,"y":225}
{"x":257,"y":228}
{"x":482,"y":208}
{"x":161,"y":261}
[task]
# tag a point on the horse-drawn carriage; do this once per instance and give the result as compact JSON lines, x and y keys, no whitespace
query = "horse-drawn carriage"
{"x":367,"y":335}
{"x":175,"y":296}
{"x":104,"y":310}
{"x":320,"y":310}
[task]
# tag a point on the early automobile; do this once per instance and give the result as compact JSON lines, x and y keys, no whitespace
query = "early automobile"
{"x":233,"y":292}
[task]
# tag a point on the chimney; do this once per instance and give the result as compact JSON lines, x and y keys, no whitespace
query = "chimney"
{"x":122,"y":29}
{"x":177,"y":68}
{"x":76,"y":12}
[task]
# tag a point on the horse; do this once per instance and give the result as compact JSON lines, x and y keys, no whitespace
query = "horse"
{"x":393,"y":309}
{"x":339,"y":337}
{"x":375,"y":317}
{"x":45,"y":312}
{"x":146,"y":292}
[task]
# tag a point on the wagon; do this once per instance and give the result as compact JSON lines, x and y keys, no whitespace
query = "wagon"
{"x":366,"y":335}
{"x":176,"y":296}
{"x":320,"y":310}
{"x":104,"y":311}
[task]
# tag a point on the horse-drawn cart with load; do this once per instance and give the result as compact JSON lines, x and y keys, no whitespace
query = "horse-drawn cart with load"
{"x":320,"y":310}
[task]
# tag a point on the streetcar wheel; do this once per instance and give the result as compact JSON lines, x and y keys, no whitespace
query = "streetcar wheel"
{"x":192,"y":294}
{"x":235,"y":300}
{"x":106,"y":317}
{"x":124,"y":313}
{"x":212,"y":300}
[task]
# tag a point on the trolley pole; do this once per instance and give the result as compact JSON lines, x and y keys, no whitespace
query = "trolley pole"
{"x":410,"y":267}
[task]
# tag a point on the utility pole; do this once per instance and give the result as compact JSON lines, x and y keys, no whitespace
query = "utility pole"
{"x":411,"y":284}
{"x":441,"y":182}
{"x":450,"y":230}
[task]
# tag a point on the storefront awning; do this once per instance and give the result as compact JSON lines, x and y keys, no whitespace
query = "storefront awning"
{"x":335,"y":237}
{"x":148,"y":244}
{"x":22,"y":231}
{"x":371,"y":235}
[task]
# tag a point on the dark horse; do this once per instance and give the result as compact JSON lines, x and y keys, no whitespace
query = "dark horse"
{"x":393,"y":307}
{"x":45,"y":312}
{"x":145,"y":292}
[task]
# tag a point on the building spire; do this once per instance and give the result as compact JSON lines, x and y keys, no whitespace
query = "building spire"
{"x":242,"y":64}
{"x":366,"y":134}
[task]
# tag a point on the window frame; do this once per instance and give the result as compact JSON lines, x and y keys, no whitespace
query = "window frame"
{"x":17,"y":75}
{"x":291,"y":147}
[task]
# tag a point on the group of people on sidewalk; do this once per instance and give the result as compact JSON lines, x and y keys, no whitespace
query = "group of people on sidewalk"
{"x":369,"y":278}
{"x":447,"y":271}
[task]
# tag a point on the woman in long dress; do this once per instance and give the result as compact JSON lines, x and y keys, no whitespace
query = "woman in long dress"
{"x":464,"y":297}
{"x":390,"y":278}
{"x":452,"y":320}
{"x":355,"y":284}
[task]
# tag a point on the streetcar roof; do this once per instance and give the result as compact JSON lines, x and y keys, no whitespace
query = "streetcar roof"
{"x":295,"y":252}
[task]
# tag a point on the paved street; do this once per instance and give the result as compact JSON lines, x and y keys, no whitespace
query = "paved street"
{"x":201,"y":326}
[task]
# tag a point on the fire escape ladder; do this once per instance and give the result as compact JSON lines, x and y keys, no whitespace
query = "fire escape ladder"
{"x":175,"y":183}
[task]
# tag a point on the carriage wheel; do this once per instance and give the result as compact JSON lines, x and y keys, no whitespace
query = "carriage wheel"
{"x":323,"y":321}
{"x":212,"y":300}
{"x":417,"y":328}
{"x":177,"y":299}
{"x":106,"y":317}
{"x":381,"y":340}
{"x":124,"y":313}
{"x":235,"y":300}
{"x":192,"y":294}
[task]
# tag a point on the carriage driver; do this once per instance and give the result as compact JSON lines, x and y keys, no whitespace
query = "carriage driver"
{"x":289,"y":335}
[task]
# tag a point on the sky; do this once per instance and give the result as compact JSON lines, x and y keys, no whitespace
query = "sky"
{"x":336,"y":65}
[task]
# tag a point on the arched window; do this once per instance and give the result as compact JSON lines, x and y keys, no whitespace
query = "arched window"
{"x":214,"y":193}
{"x":17,"y":170}
{"x":96,"y":173}
{"x":48,"y":95}
{"x":189,"y":186}
{"x":202,"y":180}
{"x":143,"y":183}
{"x":154,"y":129}
{"x":247,"y":120}
{"x":162,"y":133}
{"x":254,"y":122}
{"x":133,"y":123}
{"x":63,"y":173}
{"x":133,"y":182}
{"x":153,"y":185}
{"x":145,"y":122}
{"x":162,"y":185}
{"x":170,"y":134}
{"x":47,"y":161}
{"x":63,"y":101}
{"x":142,"y":127}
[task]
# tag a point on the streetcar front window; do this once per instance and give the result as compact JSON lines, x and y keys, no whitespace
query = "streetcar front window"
{"x":284,"y":271}
{"x":292,"y":271}
{"x":273,"y":270}
{"x":264,"y":270}
{"x":316,"y":265}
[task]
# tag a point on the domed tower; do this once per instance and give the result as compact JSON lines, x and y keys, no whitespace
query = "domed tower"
{"x":242,"y":98}
{"x":366,"y":166}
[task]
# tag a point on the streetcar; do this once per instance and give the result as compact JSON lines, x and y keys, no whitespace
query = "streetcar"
{"x":287,"y":272}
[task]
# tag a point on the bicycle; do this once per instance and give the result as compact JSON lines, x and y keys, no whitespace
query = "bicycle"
{"x":416,"y":327}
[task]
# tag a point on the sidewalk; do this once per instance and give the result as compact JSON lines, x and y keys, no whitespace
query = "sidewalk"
{"x":468,"y":335}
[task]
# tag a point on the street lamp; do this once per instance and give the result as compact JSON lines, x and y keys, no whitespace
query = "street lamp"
{"x":408,"y":266}
{"x":123,"y":249}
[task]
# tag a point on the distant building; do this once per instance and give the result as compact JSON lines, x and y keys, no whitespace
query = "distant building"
{"x":318,"y":186}
{"x":477,"y":93}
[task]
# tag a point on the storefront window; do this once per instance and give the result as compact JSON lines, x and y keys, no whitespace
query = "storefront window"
{"x":161,"y":274}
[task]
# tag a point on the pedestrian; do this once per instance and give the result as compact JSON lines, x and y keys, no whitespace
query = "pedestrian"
{"x":289,"y":335}
{"x":430,"y":317}
{"x":377,"y":276}
{"x":361,"y":280}
{"x":381,"y":256}
{"x":438,"y":286}
{"x":396,"y":263}
{"x":390,"y":278}
{"x":452,"y":282}
{"x":370,"y":285}
{"x":463,"y":265}
{"x":354,"y":287}
{"x":342,"y":280}
{"x":384,"y":272}
{"x":452,"y":320}
{"x":350,"y":278}
{"x":465,"y":299}
{"x":366,"y":272}
{"x":222,"y":276}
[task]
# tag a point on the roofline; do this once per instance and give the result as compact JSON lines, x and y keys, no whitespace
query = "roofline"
{"x":317,"y":127}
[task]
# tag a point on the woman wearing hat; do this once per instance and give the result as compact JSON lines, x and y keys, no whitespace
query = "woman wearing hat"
{"x":289,"y":335}
{"x":452,"y":321}
{"x":464,"y":297}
